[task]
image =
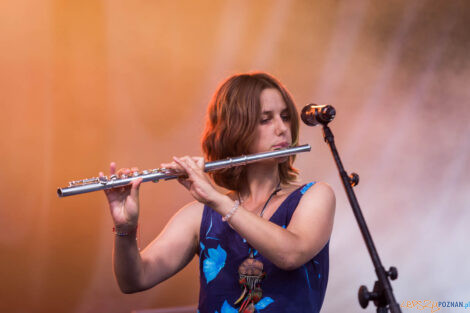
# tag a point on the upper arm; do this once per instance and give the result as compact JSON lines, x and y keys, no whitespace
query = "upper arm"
{"x":174,"y":247}
{"x":312,"y":221}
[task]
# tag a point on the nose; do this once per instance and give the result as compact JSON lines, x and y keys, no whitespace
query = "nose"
{"x":281,"y":126}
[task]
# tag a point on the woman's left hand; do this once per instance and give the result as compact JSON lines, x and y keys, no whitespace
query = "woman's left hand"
{"x":196,"y":180}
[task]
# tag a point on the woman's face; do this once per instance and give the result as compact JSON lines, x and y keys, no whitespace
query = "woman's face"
{"x":273,"y":130}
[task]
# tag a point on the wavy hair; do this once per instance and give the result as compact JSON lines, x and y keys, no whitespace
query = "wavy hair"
{"x":232,"y":117}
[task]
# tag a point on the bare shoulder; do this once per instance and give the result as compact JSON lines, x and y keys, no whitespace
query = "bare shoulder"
{"x":317,"y":189}
{"x":192,"y":208}
{"x":191,"y":213}
{"x":320,"y":195}
{"x":175,"y":246}
{"x":183,"y":228}
{"x":317,"y":208}
{"x":321,"y":187}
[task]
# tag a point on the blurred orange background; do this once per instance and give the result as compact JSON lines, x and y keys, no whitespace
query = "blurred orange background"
{"x":83,"y":83}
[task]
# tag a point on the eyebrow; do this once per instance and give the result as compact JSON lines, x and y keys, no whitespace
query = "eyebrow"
{"x":270,"y":112}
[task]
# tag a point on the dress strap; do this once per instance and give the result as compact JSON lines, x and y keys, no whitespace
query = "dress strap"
{"x":307,"y":187}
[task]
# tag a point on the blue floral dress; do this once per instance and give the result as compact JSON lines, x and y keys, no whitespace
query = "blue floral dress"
{"x":222,"y":250}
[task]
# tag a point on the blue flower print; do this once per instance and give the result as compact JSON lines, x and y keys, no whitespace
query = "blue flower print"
{"x":306,"y":276}
{"x":201,"y":251}
{"x":226,"y":308}
{"x":263,"y":303}
{"x":202,"y":248}
{"x":214,"y":263}
{"x":208,"y":230}
{"x":255,"y":252}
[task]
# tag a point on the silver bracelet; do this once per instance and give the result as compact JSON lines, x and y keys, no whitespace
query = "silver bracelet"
{"x":232,"y":211}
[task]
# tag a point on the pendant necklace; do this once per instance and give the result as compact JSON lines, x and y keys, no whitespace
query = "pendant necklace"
{"x":251,"y":273}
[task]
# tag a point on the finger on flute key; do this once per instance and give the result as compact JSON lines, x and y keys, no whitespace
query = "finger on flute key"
{"x":172,"y":167}
{"x":134,"y":171}
{"x":112,"y":168}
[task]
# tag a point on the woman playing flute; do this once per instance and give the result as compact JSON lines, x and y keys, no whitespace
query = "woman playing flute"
{"x":263,"y":245}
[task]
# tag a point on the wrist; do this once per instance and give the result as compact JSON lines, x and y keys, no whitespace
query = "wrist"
{"x":222,"y":204}
{"x":125,"y":230}
{"x":232,"y":211}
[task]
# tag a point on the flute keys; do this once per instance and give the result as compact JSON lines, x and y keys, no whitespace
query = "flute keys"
{"x":156,"y":171}
{"x":85,"y":181}
{"x":165,"y":171}
{"x":82,"y":186}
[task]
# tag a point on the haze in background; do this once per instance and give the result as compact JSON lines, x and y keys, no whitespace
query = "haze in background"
{"x":83,"y":83}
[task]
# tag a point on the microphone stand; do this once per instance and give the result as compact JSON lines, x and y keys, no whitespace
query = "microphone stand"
{"x":382,"y":294}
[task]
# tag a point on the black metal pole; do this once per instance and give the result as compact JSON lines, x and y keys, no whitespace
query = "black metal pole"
{"x":382,"y":295}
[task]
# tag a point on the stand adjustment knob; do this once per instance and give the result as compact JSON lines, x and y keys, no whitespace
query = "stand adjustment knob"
{"x":392,"y":272}
{"x":364,"y":296}
{"x":377,"y":295}
{"x":353,"y":179}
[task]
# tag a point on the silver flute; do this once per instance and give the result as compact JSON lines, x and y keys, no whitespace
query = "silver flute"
{"x":100,"y":183}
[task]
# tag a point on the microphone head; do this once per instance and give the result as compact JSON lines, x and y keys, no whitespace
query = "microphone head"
{"x":314,"y":114}
{"x":308,"y":114}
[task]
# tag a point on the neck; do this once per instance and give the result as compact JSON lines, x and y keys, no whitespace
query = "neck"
{"x":262,"y":180}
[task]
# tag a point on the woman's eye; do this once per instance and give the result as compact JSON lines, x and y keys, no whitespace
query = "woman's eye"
{"x":264,"y":120}
{"x":285,"y":117}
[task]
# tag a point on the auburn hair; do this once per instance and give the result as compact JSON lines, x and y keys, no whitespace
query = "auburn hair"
{"x":232,"y":117}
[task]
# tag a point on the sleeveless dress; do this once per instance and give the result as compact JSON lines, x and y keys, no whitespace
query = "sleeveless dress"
{"x":222,"y":250}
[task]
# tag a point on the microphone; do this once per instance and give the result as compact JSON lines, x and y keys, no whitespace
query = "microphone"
{"x":313,"y":114}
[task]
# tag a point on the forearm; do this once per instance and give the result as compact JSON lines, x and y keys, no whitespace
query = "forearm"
{"x":279,"y":245}
{"x":128,"y":265}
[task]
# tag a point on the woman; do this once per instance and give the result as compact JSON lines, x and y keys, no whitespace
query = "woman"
{"x":263,"y":245}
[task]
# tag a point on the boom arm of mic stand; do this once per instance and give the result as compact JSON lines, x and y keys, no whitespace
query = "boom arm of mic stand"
{"x":383,"y":286}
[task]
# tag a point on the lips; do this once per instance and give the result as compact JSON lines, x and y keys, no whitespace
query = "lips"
{"x":281,"y":145}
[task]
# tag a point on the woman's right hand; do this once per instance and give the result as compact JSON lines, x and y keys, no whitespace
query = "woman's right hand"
{"x":124,"y":201}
